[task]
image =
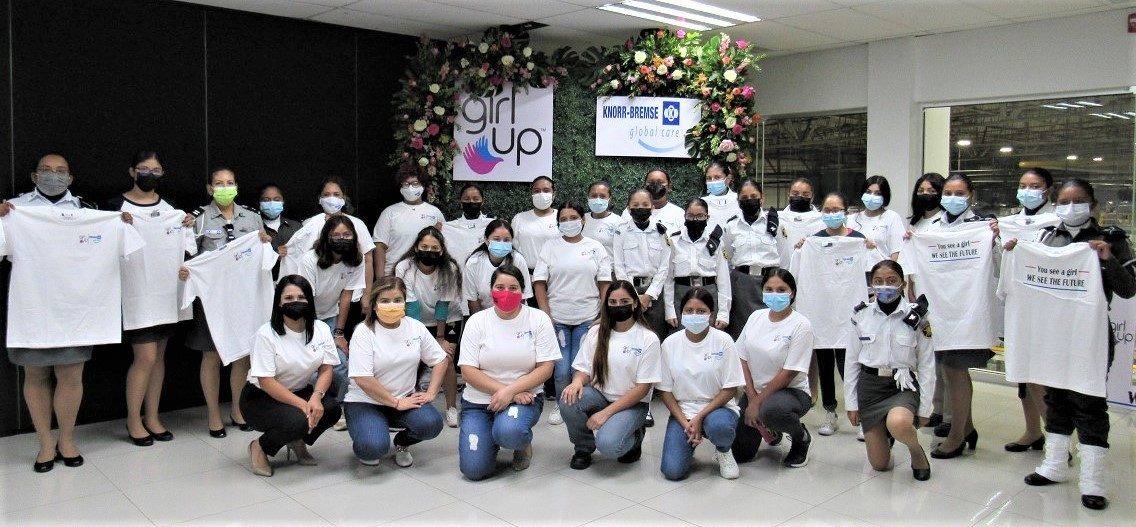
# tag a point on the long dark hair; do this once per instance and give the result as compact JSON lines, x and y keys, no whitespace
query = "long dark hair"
{"x":885,"y":188}
{"x":484,"y":247}
{"x":348,"y":208}
{"x":449,"y":274}
{"x":599,"y":360}
{"x":277,"y":321}
{"x":917,"y":208}
{"x":325,"y":256}
{"x":385,"y":283}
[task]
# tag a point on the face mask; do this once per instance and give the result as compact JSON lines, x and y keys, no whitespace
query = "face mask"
{"x":695,"y":323}
{"x":620,"y":313}
{"x":332,"y":204}
{"x":1031,"y":198}
{"x":272,"y":209}
{"x":471,"y":210}
{"x":224,"y":196}
{"x":500,"y":249}
{"x":955,"y":205}
{"x":716,"y":187}
{"x":1074,"y":214}
{"x":833,"y":220}
{"x":341,"y":246}
{"x":886,"y":294}
{"x":777,"y":302}
{"x":294,"y":310}
{"x":390,"y":313}
{"x":542,"y":200}
{"x":872,"y":201}
{"x":695,"y":228}
{"x":800,"y":204}
{"x":147,"y":182}
{"x":640,"y":215}
{"x":51,"y":183}
{"x":411,"y":193}
{"x":571,"y":228}
{"x":927,"y":201}
{"x":430,"y":258}
{"x":507,"y":301}
{"x":597,"y":205}
{"x":750,"y":206}
{"x":657,"y":190}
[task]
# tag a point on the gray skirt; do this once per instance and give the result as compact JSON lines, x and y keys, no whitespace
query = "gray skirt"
{"x":148,"y":335}
{"x":745,"y":299}
{"x":44,"y":357}
{"x":199,"y":338}
{"x":878,"y":395}
{"x":976,"y":358}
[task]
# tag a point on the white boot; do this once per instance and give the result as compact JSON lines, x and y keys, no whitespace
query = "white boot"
{"x":1055,"y":465}
{"x":1094,"y":459}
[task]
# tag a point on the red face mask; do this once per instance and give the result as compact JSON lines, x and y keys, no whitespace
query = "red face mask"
{"x":507,"y":301}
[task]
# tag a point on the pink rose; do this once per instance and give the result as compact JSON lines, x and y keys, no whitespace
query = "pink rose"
{"x":644,"y":69}
{"x":484,"y":66}
{"x":506,"y":42}
{"x":416,"y":143}
{"x":726,"y":146}
{"x":495,"y":80}
{"x":736,"y":91}
{"x":713,"y":128}
{"x":726,"y":60}
{"x":705,"y":91}
{"x":737,"y":129}
{"x":680,"y":34}
{"x":607,"y":68}
{"x":669,"y":61}
{"x":687,"y":62}
{"x":742,"y":44}
{"x":450,"y":119}
{"x":433,"y":129}
{"x":739,"y":111}
{"x":715,"y":107}
{"x":747,"y":92}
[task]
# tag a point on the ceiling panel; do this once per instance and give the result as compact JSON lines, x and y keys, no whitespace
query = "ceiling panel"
{"x":1033,"y":8}
{"x":947,"y":15}
{"x":346,"y":17}
{"x":848,"y":25}
{"x":431,"y":12}
{"x":527,"y":9}
{"x":288,"y":8}
{"x":775,"y":36}
{"x":774,"y":9}
{"x":552,"y":37}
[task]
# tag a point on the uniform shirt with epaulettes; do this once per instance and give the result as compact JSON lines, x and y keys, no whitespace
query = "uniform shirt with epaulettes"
{"x":36,"y":199}
{"x":642,"y":256}
{"x":892,"y":345}
{"x":213,"y":231}
{"x":752,"y":246}
{"x":698,"y":263}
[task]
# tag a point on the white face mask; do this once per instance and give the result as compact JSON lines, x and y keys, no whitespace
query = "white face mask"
{"x":1074,"y":214}
{"x":332,"y":204}
{"x":571,"y":228}
{"x":542,"y":200}
{"x":411,"y":193}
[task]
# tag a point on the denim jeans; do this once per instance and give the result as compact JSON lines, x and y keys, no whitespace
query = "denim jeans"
{"x":340,"y":382}
{"x":678,"y":455}
{"x":481,"y":433}
{"x":569,"y":338}
{"x":369,"y":426}
{"x":618,"y":435}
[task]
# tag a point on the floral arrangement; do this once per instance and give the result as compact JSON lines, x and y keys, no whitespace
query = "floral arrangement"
{"x":681,"y":63}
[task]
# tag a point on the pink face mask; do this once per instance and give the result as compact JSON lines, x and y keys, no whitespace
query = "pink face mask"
{"x":507,"y":301}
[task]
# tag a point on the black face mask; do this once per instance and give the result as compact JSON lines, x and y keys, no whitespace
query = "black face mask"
{"x":471,"y":210}
{"x":657,"y":190}
{"x":928,"y":201}
{"x":147,"y":182}
{"x":800,"y":204}
{"x":620,"y":313}
{"x":430,"y":258}
{"x":640,"y":215}
{"x":294,"y":310}
{"x":750,"y":207}
{"x":695,"y":228}
{"x":341,"y":246}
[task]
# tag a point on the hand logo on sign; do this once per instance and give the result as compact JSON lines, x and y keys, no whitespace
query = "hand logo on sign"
{"x":478,"y":157}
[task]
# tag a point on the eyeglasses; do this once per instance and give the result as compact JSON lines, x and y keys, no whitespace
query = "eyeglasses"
{"x":143,"y":170}
{"x":700,"y":217}
{"x":342,"y":238}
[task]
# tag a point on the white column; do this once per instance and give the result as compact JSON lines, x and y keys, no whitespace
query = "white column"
{"x":895,"y":129}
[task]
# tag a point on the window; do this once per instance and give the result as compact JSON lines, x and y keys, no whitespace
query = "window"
{"x":829,"y":150}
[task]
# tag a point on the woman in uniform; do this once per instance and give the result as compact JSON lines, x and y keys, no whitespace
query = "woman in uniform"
{"x":699,"y":262}
{"x":602,"y":222}
{"x":276,"y":225}
{"x":890,"y":371}
{"x":642,"y":255}
{"x":750,"y":242}
{"x":883,"y":226}
{"x":720,"y":196}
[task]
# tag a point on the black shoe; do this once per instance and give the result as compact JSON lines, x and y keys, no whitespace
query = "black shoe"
{"x":43,"y":466}
{"x":631,"y":456}
{"x":1018,"y":447}
{"x":935,"y":420}
{"x":164,"y":436}
{"x":1037,"y":480}
{"x":798,"y":455}
{"x":145,"y":440}
{"x":970,"y":440}
{"x":580,"y":461}
{"x":1095,"y":503}
{"x":922,"y":474}
{"x":245,"y":427}
{"x":219,"y":433}
{"x":943,"y":429}
{"x":72,"y":462}
{"x":649,"y":421}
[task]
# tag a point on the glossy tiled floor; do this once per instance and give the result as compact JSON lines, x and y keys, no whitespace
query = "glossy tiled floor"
{"x":199,"y":480}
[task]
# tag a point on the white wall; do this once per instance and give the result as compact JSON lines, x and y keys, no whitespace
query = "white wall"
{"x":824,"y":81}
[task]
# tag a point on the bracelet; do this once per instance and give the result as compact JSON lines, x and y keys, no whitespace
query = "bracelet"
{"x":321,"y":393}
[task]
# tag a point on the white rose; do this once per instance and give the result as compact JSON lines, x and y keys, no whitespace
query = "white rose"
{"x":730,"y":75}
{"x":464,"y":63}
{"x":530,"y":66}
{"x":439,"y":110}
{"x":483,"y":47}
{"x":527,"y":52}
{"x":731,"y":121}
{"x":662,"y":69}
{"x":507,"y":60}
{"x":732,"y":157}
{"x":434,"y":88}
{"x":419,"y":125}
{"x":640,"y":56}
{"x":614,"y":84}
{"x":682,"y":51}
{"x":676,"y":75}
{"x":422,"y":161}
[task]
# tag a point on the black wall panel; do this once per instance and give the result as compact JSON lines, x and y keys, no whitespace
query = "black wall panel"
{"x":9,"y":384}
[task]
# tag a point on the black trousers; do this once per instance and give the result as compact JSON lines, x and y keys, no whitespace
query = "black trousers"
{"x":1066,"y":411}
{"x":283,"y":423}
{"x":780,"y":413}
{"x":826,"y":360}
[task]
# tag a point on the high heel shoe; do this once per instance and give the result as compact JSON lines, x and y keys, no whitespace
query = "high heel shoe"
{"x":265,"y":470}
{"x":244,"y":427}
{"x":146,"y":440}
{"x":300,"y":451}
{"x":971,"y":440}
{"x":219,"y":433}
{"x":164,"y":436}
{"x":922,"y":474}
{"x":76,"y":461}
{"x":1019,"y":447}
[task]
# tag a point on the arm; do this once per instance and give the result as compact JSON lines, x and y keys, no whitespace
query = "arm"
{"x":725,"y":292}
{"x":927,"y":377}
{"x":662,"y":270}
{"x":380,"y":259}
{"x":375,"y":390}
{"x":436,"y":378}
{"x":618,"y":264}
{"x":671,"y":402}
{"x":273,"y":388}
{"x":669,"y":312}
{"x":852,"y":378}
{"x":369,"y":278}
{"x":540,"y":289}
{"x":1116,"y":269}
{"x":625,"y":401}
{"x":480,"y":380}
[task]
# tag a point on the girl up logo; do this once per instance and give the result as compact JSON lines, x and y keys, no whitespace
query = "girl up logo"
{"x":504,"y":137}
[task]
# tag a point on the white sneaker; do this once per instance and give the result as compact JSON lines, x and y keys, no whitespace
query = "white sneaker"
{"x":830,"y":425}
{"x":452,"y":417}
{"x":860,"y":433}
{"x":554,"y":417}
{"x":727,"y":467}
{"x":402,"y":456}
{"x":340,"y":425}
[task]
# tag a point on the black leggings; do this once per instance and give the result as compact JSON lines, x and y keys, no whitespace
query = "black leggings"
{"x":283,"y":423}
{"x":826,"y":360}
{"x":1066,"y":411}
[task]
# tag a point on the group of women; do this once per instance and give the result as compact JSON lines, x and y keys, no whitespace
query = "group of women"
{"x":599,"y":311}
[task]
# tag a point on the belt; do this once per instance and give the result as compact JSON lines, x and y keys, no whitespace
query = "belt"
{"x":641,"y":281}
{"x":754,"y":270}
{"x":879,"y":372}
{"x":695,"y":281}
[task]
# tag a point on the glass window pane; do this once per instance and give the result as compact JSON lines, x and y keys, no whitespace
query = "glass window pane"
{"x":829,"y":150}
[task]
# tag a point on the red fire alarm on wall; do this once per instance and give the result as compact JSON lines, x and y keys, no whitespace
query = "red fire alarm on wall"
{"x":1132,"y":23}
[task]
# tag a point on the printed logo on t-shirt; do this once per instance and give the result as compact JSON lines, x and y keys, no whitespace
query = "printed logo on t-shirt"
{"x":631,"y":350}
{"x":92,"y":239}
{"x":782,"y":338}
{"x":953,"y":252}
{"x":714,"y":355}
{"x":321,"y":348}
{"x":174,"y":230}
{"x":243,"y":254}
{"x":347,"y":274}
{"x":843,"y":260}
{"x":410,"y":341}
{"x":524,"y":334}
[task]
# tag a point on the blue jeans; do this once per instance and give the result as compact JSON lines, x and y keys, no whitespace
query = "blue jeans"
{"x":482,"y":433}
{"x":339,"y":372}
{"x":369,"y":426}
{"x":719,"y":427}
{"x":569,"y":338}
{"x":618,"y":435}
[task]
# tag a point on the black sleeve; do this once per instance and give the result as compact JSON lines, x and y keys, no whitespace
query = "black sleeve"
{"x":114,"y":203}
{"x":1118,"y":271}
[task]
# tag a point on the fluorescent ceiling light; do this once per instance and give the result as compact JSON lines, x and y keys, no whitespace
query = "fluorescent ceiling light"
{"x":1071,"y":157}
{"x":1068,"y":105}
{"x":1054,"y":107}
{"x":1098,"y":159}
{"x":677,"y":13}
{"x":1006,"y":149}
{"x":615,"y":8}
{"x":713,"y":10}
{"x":1119,"y":115}
{"x":1101,"y":115}
{"x":963,"y":142}
{"x":1131,"y":113}
{"x":1089,"y":103}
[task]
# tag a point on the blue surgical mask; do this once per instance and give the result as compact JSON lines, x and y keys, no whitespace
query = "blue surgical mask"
{"x":833,"y":220}
{"x":777,"y":302}
{"x":886,"y":294}
{"x":500,"y":249}
{"x":695,"y":323}
{"x":872,"y":201}
{"x":1031,"y":198}
{"x":597,"y":205}
{"x":272,"y":209}
{"x":716,"y":187}
{"x":955,"y":205}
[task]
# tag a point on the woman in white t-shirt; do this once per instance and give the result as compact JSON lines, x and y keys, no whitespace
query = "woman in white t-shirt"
{"x":497,"y":250}
{"x":776,"y":347}
{"x":883,"y":226}
{"x":701,"y":375}
{"x":605,"y":404}
{"x":334,"y":200}
{"x":400,"y":223}
{"x":538,"y":225}
{"x":386,"y":350}
{"x":280,"y":399}
{"x":434,"y":288}
{"x":466,"y":232}
{"x":507,"y":354}
{"x":602,"y":222}
{"x":572,"y":274}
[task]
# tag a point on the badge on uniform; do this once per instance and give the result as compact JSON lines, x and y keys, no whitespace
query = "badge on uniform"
{"x":927,"y":330}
